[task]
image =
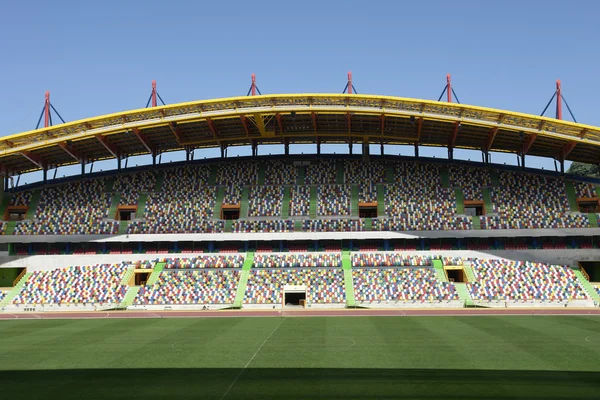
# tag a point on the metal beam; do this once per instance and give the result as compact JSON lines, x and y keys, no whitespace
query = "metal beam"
{"x":419,"y":127}
{"x":382,"y":123}
{"x":211,"y":126}
{"x":176,"y":131}
{"x":349,"y":122}
{"x":245,"y":123}
{"x":70,"y":150}
{"x":279,"y":122}
{"x":314,"y":122}
{"x":569,"y":147}
{"x":144,"y":140}
{"x":35,"y":159}
{"x":491,"y":137}
{"x":112,"y":149}
{"x":260,"y":124}
{"x":452,"y":140}
{"x":528,"y":143}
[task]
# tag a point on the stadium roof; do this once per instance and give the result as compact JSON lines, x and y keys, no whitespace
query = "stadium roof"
{"x":293,"y":119}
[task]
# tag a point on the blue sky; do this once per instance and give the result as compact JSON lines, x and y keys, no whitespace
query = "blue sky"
{"x":100,"y":57}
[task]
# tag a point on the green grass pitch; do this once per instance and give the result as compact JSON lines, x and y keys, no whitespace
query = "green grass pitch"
{"x":500,"y":357}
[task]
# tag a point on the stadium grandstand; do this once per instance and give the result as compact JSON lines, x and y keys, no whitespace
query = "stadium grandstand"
{"x":300,"y":231}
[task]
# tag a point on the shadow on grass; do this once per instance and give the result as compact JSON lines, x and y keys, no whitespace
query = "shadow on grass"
{"x":298,"y":383}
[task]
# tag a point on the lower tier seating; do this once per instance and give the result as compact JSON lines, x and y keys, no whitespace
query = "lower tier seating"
{"x":75,"y":285}
{"x":389,"y":260}
{"x":298,"y":260}
{"x":265,"y":286}
{"x":262,"y":226}
{"x":400,"y":284}
{"x":203,"y":286}
{"x":523,"y":280}
{"x":333,"y":225}
{"x":205,"y":261}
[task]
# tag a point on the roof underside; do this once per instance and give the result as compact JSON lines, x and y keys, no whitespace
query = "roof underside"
{"x":293,"y":119}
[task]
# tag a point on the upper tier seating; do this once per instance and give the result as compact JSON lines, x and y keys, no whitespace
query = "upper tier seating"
{"x":470,"y":180}
{"x":367,"y":193}
{"x":360,"y":172}
{"x":332,"y":225}
{"x":233,"y":194}
{"x":250,"y":226}
{"x":295,"y":260}
{"x":205,"y":261}
{"x":191,"y":287}
{"x":321,"y":172}
{"x":280,"y":173}
{"x":389,"y":260}
{"x":418,"y":202}
{"x":131,"y":185}
{"x":76,"y":208}
{"x":300,"y":201}
{"x":452,"y":261}
{"x":21,"y":198}
{"x":531,"y":201}
{"x":334,"y":200}
{"x":523,"y":280}
{"x":75,"y":285}
{"x":265,"y":286}
{"x":583,"y":189}
{"x":237,"y":173}
{"x":265,"y":201}
{"x":402,"y":284}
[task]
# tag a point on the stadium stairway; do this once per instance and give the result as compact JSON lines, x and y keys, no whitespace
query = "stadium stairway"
{"x":586,"y":284}
{"x":228,"y":226}
{"x":4,"y":206}
{"x":380,"y":200}
{"x":593,"y":220}
{"x":368,"y":224}
{"x":160,"y":178}
{"x":348,"y":281}
{"x":445,"y":177}
{"x":15,"y":290}
{"x":313,"y":201}
{"x":10,"y":227}
{"x":487,"y":201}
{"x":241,"y":289}
{"x":298,"y":225}
{"x":438,"y":265}
{"x":112,"y":212}
{"x":463,"y":293}
{"x":130,"y":296}
{"x":571,"y":195}
{"x":598,"y":191}
{"x":354,"y":201}
{"x":495,"y":178}
{"x":153,"y":278}
{"x":244,"y":202}
{"x":212,"y":178}
{"x":285,"y":207}
{"x":141,"y":207}
{"x":127,"y":276}
{"x":339,"y":178}
{"x":301,"y":178}
{"x":261,"y":174}
{"x":476,"y":221}
{"x":469,"y":272}
{"x":460,"y":201}
{"x":219,"y":202}
{"x":390,"y":174}
{"x":110,"y":184}
{"x":123,"y":225}
{"x":35,"y":199}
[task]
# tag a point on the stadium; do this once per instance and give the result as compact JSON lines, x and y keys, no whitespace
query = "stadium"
{"x":119,"y":257}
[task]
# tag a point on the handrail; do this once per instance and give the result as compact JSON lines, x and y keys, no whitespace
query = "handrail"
{"x":16,"y":281}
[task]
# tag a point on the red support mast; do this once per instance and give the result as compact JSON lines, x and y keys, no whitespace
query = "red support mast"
{"x":449,"y":88}
{"x":47,"y":110}
{"x":154,"y":103}
{"x":558,"y":100}
{"x":253,"y":87}
{"x":349,"y":82}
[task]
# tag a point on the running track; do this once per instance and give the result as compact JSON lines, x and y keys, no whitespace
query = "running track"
{"x":300,"y":313}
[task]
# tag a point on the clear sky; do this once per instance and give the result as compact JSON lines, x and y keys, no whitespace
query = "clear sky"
{"x":100,"y":57}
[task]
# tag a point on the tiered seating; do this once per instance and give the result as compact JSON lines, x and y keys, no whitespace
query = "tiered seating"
{"x":452,"y":260}
{"x":401,"y":284}
{"x":184,"y":205}
{"x":265,"y":286}
{"x":265,"y":201}
{"x":389,"y":260}
{"x":418,"y":202}
{"x":332,"y":225}
{"x":334,"y":199}
{"x":76,"y":208}
{"x":145,"y":264}
{"x":191,"y":287}
{"x":75,"y":285}
{"x":238,"y":173}
{"x":300,"y":201}
{"x":131,"y":185}
{"x":296,"y":260}
{"x":367,"y":193}
{"x":530,"y":201}
{"x":586,"y":190}
{"x":321,"y":172}
{"x":205,"y":261}
{"x":250,"y":226}
{"x":470,"y":180}
{"x":21,"y":198}
{"x":2,"y":295}
{"x":233,"y":194}
{"x":523,"y":280}
{"x":280,"y":173}
{"x":360,"y":172}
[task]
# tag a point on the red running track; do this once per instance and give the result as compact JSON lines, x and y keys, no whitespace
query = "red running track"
{"x":300,"y":313}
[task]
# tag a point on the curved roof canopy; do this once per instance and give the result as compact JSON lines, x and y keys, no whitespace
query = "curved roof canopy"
{"x":297,"y":118}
